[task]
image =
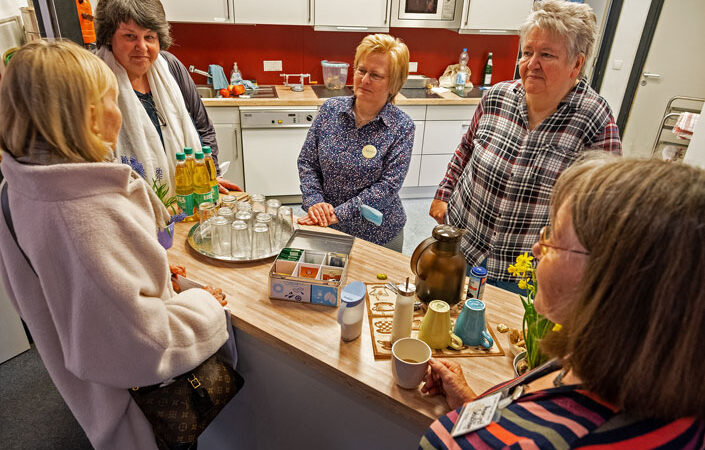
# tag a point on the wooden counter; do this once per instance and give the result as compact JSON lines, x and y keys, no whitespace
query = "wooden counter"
{"x":308,"y":97}
{"x":311,"y":334}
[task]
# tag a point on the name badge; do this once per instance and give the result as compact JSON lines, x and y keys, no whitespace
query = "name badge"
{"x":476,"y":415}
{"x":369,"y":151}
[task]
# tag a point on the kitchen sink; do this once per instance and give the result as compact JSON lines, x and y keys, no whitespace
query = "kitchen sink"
{"x":205,"y":91}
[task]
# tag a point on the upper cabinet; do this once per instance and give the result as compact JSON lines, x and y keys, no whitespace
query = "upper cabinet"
{"x":275,"y":12}
{"x":344,"y":15}
{"x":494,"y":16}
{"x":197,"y":11}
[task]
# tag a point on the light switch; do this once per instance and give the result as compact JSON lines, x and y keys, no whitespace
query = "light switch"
{"x":617,"y":64}
{"x":413,"y":66}
{"x":272,"y":66}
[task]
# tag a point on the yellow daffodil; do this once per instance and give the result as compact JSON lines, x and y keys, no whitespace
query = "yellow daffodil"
{"x":522,"y":284}
{"x":557,"y":327}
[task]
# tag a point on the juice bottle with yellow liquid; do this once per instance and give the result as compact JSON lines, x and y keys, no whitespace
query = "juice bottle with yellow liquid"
{"x":201,"y":183}
{"x":184,"y":188}
{"x":212,"y":173}
{"x":190,"y":161}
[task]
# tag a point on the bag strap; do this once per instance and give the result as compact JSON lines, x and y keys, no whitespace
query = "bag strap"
{"x":10,"y":226}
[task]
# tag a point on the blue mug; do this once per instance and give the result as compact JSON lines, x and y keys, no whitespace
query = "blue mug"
{"x":471,"y":327}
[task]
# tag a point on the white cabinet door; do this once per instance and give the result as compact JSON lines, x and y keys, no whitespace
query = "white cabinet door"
{"x":433,"y":168}
{"x":345,"y":15}
{"x":197,"y":11}
{"x":412,"y":176}
{"x":443,"y":136}
{"x":229,"y":150}
{"x":275,"y":12}
{"x":418,"y":137}
{"x":270,"y":157}
{"x":494,"y":16}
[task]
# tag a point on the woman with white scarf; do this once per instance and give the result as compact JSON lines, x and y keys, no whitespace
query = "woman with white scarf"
{"x":162,"y":111}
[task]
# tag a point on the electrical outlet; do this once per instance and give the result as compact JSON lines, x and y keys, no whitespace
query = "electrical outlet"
{"x":413,"y":66}
{"x":272,"y":66}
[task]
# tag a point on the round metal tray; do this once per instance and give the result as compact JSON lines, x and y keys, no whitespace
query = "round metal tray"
{"x":194,"y":241}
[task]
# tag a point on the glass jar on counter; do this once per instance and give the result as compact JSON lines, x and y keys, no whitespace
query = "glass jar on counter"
{"x":258,"y":203}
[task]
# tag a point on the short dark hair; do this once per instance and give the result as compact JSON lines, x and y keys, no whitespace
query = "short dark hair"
{"x":109,"y":14}
{"x":636,"y":334}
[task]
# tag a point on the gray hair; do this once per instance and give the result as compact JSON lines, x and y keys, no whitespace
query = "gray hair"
{"x":573,"y":22}
{"x":109,"y":14}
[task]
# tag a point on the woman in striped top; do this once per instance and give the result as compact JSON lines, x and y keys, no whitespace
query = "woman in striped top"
{"x":621,"y":268}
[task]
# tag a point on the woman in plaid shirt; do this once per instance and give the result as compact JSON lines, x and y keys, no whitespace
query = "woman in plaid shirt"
{"x":523,"y":135}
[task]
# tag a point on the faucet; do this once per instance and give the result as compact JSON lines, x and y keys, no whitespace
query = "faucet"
{"x":295,"y":87}
{"x":200,"y":72}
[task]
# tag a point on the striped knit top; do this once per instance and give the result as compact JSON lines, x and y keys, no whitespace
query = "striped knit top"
{"x":566,"y":417}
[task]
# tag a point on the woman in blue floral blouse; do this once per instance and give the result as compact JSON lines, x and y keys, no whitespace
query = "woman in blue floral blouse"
{"x":358,"y":149}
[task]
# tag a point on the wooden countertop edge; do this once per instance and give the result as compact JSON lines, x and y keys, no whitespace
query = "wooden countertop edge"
{"x":327,"y":370}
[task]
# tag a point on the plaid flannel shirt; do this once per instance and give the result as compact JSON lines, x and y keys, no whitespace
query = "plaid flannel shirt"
{"x":499,"y":180}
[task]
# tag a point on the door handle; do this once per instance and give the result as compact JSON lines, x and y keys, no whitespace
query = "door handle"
{"x":309,"y":11}
{"x":386,"y":10}
{"x":467,"y":12}
{"x":237,"y":153}
{"x":649,"y":75}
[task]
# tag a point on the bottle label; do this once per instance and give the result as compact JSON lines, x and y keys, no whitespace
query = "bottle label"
{"x":186,"y":204}
{"x":488,"y":79}
{"x":215,"y":193}
{"x":201,"y":198}
{"x":461,"y":78}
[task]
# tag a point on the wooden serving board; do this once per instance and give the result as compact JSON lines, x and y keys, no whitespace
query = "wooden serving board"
{"x":380,"y":311}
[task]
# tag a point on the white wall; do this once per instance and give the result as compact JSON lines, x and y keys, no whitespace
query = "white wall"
{"x":9,"y":8}
{"x":696,"y":150}
{"x":626,"y":40}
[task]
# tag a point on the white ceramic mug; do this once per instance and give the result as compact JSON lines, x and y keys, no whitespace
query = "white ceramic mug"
{"x":410,"y":362}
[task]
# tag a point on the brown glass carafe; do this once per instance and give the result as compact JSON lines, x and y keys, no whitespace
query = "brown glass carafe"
{"x":439,"y":266}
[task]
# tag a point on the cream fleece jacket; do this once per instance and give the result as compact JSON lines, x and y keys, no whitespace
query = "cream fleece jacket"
{"x":102,"y":313}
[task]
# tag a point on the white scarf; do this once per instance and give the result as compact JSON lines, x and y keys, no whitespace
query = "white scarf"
{"x":138,"y":137}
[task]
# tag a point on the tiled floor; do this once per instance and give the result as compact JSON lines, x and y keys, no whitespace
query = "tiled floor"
{"x":419,"y":224}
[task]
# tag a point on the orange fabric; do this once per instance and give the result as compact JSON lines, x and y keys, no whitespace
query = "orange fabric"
{"x":85,"y":18}
{"x":502,"y":434}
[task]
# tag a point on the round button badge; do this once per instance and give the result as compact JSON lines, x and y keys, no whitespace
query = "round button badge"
{"x":369,"y":151}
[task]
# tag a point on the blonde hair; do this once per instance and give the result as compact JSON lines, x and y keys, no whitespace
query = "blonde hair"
{"x":573,"y":22}
{"x":47,"y":92}
{"x":636,"y":331}
{"x":398,"y":54}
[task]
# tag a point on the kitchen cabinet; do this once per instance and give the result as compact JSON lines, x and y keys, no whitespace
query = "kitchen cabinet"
{"x":201,"y":11}
{"x":494,"y":16}
{"x":418,"y":114}
{"x":226,"y":121}
{"x":275,"y":12}
{"x":443,"y":129}
{"x":343,"y":15}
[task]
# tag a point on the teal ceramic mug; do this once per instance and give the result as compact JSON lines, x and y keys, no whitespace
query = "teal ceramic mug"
{"x":471,"y":326}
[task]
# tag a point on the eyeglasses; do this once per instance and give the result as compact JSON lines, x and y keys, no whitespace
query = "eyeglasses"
{"x":149,"y":105}
{"x":374,"y":76}
{"x":545,"y":235}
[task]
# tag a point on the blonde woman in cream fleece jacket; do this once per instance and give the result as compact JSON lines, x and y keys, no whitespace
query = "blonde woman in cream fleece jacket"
{"x":102,"y":311}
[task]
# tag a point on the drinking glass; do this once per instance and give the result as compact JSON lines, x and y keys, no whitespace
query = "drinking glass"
{"x":228,"y":201}
{"x":272,"y":208}
{"x":220,"y":241}
{"x":246,"y":217}
{"x":257,"y":203}
{"x":267,"y":219}
{"x":240,"y":240}
{"x":226,"y":212}
{"x":286,"y":225}
{"x":206,"y":211}
{"x":244,"y":206}
{"x":261,"y":245}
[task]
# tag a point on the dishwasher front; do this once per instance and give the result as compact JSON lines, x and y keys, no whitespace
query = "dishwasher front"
{"x":272,"y":137}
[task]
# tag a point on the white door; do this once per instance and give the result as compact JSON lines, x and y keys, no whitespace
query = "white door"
{"x":443,"y":136}
{"x":674,"y":66}
{"x":228,"y":151}
{"x":270,"y":159}
{"x":275,"y":12}
{"x":360,"y":13}
{"x":197,"y":11}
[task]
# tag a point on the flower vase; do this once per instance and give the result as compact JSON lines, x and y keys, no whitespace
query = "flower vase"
{"x":520,"y":364}
{"x":165,"y":236}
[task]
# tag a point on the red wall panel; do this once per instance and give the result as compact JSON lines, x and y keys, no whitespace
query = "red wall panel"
{"x":301,"y":49}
